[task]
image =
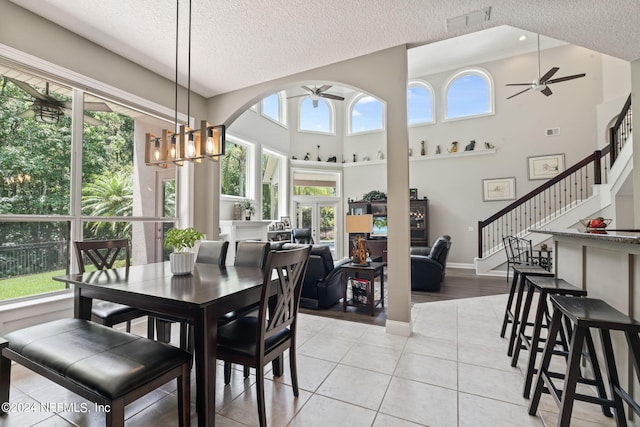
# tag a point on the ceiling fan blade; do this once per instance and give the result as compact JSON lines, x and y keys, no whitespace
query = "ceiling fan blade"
{"x":297,"y":96}
{"x":518,"y":84}
{"x":548,"y":75}
{"x":523,"y":91}
{"x":97,"y":106}
{"x":27,"y":88}
{"x":546,"y":91}
{"x":564,"y":79}
{"x":323,"y":88}
{"x":308,"y":88}
{"x":87,"y":119}
{"x":330,"y":96}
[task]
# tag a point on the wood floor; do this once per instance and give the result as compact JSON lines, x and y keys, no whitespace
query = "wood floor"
{"x":459,"y":283}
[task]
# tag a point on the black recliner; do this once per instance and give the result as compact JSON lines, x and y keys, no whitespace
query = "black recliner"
{"x":428,"y":265}
{"x":322,"y":286}
{"x":301,"y":235}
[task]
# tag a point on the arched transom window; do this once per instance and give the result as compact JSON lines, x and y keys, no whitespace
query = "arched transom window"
{"x":468,"y":93}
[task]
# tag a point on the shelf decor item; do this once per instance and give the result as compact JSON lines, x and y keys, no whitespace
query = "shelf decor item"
{"x":249,"y":208}
{"x":182,"y":241}
{"x":286,"y":221}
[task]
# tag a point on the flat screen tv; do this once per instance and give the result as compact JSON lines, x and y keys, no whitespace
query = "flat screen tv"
{"x":379,"y":226}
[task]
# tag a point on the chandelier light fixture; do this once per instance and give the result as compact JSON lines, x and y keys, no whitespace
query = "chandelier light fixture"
{"x":184,"y":144}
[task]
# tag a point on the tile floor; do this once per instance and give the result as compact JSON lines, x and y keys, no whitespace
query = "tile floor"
{"x":453,"y":371}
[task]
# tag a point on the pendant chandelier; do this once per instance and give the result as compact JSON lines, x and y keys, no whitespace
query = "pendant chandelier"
{"x":184,"y":144}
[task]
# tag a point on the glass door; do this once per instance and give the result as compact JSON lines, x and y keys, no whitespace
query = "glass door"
{"x":321,"y":218}
{"x":165,"y":207}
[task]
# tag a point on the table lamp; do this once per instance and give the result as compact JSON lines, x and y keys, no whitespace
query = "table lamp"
{"x":359,"y":224}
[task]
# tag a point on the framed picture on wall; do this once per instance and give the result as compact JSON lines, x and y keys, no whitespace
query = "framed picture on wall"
{"x":544,"y":167}
{"x":495,"y":189}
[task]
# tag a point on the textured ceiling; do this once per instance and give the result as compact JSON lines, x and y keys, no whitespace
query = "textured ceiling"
{"x":241,"y":43}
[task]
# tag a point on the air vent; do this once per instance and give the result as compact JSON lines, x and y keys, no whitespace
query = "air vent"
{"x":469,"y":20}
{"x":552,"y":132}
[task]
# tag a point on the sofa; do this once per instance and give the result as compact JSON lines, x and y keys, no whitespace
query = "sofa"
{"x":322,"y":286}
{"x":428,"y":265}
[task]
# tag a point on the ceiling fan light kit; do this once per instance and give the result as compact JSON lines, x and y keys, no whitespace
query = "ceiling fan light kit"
{"x":540,"y":84}
{"x":184,"y":144}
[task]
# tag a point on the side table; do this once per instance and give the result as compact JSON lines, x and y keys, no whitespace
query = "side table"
{"x":368,"y":272}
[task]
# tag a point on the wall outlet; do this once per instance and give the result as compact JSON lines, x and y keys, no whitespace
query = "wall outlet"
{"x":552,"y":131}
{"x":470,"y":228}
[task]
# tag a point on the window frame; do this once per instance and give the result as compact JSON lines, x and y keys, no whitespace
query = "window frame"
{"x":282,"y":110}
{"x":426,"y":85}
{"x":349,"y":111}
{"x":332,"y":117}
{"x":283,"y":191}
{"x":476,"y":71}
{"x":250,"y":179}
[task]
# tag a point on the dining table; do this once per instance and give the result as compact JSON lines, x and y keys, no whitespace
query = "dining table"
{"x":198,"y":298}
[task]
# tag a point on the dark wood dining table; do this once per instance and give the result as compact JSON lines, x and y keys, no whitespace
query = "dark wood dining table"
{"x":199,"y":298}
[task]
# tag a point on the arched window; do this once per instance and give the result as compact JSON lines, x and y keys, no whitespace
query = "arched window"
{"x":272,"y":108}
{"x":420,"y":102}
{"x":468,"y":93}
{"x":319,"y":119}
{"x":366,"y":115}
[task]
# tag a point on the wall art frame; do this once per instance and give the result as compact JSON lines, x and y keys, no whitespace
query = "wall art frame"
{"x":496,"y":189}
{"x":545,"y":167}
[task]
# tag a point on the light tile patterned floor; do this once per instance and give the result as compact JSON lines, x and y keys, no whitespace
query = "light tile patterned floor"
{"x":453,"y":371}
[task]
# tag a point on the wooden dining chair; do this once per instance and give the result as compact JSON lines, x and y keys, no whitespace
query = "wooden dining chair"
{"x":103,"y":254}
{"x":254,"y":341}
{"x":251,"y":254}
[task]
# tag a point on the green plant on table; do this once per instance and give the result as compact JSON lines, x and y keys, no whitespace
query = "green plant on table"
{"x":248,"y":205}
{"x":182,"y":240}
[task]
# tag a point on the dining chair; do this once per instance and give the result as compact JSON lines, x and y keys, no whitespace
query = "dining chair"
{"x":213,"y":252}
{"x":251,"y":254}
{"x":103,"y":254}
{"x":519,"y":252}
{"x":254,"y":341}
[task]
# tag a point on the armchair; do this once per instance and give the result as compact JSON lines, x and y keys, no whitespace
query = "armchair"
{"x":428,"y":265}
{"x":322,"y":286}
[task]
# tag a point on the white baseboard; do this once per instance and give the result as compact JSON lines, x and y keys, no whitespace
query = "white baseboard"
{"x":394,"y":327}
{"x":464,"y":265}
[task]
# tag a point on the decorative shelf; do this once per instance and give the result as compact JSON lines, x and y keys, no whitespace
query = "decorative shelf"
{"x":316,"y":164}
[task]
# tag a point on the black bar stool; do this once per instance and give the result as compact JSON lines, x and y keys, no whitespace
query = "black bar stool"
{"x":520,"y":273}
{"x":545,"y":286}
{"x":586,"y":313}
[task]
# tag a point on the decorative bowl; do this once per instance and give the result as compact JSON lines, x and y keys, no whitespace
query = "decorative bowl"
{"x":595,"y":223}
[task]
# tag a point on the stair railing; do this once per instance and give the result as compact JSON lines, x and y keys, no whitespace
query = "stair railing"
{"x":544,"y":203}
{"x":558,"y":194}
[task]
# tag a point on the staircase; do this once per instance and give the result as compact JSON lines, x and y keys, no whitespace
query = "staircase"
{"x":579,"y":192}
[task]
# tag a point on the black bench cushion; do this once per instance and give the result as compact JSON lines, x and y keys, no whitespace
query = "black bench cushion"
{"x":104,"y":360}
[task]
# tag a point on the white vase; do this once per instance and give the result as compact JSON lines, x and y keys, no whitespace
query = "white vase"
{"x":182,"y":263}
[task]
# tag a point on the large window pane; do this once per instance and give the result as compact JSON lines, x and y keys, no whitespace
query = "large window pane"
{"x":234,"y":169}
{"x":419,"y":104}
{"x":271,"y":185}
{"x":271,"y":107}
{"x":31,"y":253}
{"x":468,"y":95}
{"x":315,"y":119}
{"x":366,"y":115}
{"x":36,"y":146}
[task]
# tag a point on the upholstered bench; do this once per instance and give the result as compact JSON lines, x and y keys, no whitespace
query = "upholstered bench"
{"x":106,"y":366}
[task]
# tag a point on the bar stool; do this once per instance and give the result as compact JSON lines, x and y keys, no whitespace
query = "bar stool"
{"x":519,"y":272}
{"x":586,"y":313}
{"x":545,"y":286}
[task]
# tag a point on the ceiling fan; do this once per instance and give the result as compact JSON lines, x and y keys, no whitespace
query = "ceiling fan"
{"x":318,"y":92}
{"x":540,"y":84}
{"x":47,"y":109}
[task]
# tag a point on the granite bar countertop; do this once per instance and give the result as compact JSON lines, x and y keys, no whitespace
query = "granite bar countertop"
{"x":632,"y":237}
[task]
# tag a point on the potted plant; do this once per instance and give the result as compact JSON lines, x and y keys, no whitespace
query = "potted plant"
{"x":249,"y":208}
{"x":182,"y":241}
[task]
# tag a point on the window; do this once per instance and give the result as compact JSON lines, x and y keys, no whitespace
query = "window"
{"x":274,"y":109}
{"x":468,"y":93}
{"x":365,"y":115}
{"x":236,"y":171}
{"x":318,"y":119}
{"x":38,"y":175}
{"x":419,"y":103}
{"x":274,"y":185}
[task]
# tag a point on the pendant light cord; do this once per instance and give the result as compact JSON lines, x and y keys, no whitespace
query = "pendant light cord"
{"x":176,"y":94}
{"x":189,"y":70}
